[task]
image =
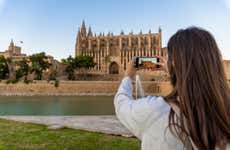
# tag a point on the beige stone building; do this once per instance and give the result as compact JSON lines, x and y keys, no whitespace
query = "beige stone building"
{"x":112,"y":52}
{"x":13,"y":52}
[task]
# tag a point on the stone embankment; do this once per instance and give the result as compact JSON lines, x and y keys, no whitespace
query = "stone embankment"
{"x":77,"y":88}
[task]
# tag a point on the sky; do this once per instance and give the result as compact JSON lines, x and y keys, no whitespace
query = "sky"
{"x":51,"y":25}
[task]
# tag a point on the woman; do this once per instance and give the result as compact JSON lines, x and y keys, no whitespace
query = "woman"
{"x":196,"y":114}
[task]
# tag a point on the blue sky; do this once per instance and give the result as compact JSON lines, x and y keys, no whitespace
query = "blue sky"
{"x":51,"y":25}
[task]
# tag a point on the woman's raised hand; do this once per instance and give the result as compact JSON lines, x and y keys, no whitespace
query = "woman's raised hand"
{"x":131,"y":69}
{"x":162,"y":63}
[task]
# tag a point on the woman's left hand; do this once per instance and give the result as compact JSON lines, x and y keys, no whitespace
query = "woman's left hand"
{"x":131,"y":69}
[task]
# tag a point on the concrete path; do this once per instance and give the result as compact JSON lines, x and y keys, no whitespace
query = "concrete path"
{"x":103,"y":124}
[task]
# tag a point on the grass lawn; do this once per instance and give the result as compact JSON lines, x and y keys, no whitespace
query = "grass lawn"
{"x":23,"y":136}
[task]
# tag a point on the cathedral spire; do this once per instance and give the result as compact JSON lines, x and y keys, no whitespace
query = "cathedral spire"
{"x":83,"y":28}
{"x":78,"y":34}
{"x":90,"y":33}
{"x":108,"y":34}
{"x":11,"y":43}
{"x":11,"y":46}
{"x":140,"y":31}
{"x":159,"y":30}
{"x":122,"y":32}
{"x":77,"y":44}
{"x":83,"y":24}
{"x":131,"y":32}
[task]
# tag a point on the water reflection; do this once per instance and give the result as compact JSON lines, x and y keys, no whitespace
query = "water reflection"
{"x":56,"y":105}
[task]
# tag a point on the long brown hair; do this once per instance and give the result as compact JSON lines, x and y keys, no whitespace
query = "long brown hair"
{"x":200,"y":90}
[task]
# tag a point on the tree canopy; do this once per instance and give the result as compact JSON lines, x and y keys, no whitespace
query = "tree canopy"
{"x":23,"y":70}
{"x":77,"y":63}
{"x":71,"y":65}
{"x":4,"y":69}
{"x":39,"y":64}
{"x":84,"y":62}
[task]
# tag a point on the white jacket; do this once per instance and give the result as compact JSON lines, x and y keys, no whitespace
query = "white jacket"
{"x":146,"y":118}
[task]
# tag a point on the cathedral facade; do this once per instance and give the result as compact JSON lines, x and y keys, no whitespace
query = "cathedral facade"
{"x":113,"y":52}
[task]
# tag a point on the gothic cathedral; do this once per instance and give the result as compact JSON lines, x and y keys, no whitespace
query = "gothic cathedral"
{"x":112,"y":52}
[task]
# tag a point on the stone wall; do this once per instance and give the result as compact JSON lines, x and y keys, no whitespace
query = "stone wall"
{"x":77,"y":88}
{"x":90,"y":87}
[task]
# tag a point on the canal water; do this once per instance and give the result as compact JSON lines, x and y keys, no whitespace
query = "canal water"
{"x":56,"y":105}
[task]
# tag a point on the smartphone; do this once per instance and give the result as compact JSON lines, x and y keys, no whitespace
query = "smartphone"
{"x":147,"y":62}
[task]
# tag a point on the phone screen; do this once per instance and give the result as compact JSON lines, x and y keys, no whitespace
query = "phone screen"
{"x":147,"y":62}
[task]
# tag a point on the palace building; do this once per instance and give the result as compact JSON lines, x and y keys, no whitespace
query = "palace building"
{"x":13,"y":52}
{"x":112,"y":52}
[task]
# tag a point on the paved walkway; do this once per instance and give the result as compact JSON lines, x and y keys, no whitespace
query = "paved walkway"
{"x":103,"y":124}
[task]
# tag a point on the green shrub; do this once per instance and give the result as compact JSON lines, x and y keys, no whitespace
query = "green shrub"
{"x":19,"y":74}
{"x":8,"y":81}
{"x":56,"y":83}
{"x":27,"y":81}
{"x":13,"y":81}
